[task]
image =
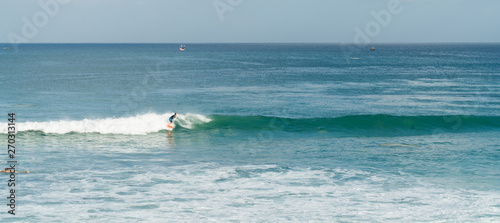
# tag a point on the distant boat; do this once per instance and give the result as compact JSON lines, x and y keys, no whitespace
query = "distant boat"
{"x":373,"y":48}
{"x":182,"y":48}
{"x":354,"y":58}
{"x":6,"y":48}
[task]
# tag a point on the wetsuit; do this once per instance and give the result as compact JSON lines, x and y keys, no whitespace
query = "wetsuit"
{"x":171,"y":119}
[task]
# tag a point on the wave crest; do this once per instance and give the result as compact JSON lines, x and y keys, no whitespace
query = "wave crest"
{"x":360,"y":125}
{"x":357,"y":125}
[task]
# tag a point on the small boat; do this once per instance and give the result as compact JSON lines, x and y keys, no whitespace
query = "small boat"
{"x":373,"y":48}
{"x":354,"y":58}
{"x":182,"y":48}
{"x":6,"y":48}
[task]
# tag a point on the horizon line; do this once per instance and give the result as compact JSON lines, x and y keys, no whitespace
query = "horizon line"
{"x":340,"y":43}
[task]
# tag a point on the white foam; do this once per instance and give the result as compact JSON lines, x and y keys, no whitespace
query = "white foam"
{"x":249,"y":193}
{"x":188,"y":120}
{"x":137,"y":125}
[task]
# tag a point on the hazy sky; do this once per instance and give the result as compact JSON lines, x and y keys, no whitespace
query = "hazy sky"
{"x":208,"y":21}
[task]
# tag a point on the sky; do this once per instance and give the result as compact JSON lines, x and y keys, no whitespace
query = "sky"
{"x":249,"y":21}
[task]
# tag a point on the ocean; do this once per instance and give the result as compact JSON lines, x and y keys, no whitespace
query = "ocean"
{"x":265,"y":132}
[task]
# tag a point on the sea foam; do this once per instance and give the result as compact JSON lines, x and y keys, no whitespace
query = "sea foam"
{"x":140,"y":124}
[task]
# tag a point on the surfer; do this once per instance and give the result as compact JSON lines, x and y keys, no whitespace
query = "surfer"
{"x":171,"y":119}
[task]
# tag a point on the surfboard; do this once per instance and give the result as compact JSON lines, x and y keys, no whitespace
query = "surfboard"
{"x":170,"y":127}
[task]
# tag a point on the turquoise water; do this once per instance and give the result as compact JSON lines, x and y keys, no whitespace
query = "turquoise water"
{"x":265,"y":132}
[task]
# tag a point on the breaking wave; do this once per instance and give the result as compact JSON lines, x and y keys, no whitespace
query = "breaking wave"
{"x":359,"y":125}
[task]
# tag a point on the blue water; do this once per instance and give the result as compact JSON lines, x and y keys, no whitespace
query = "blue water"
{"x":265,"y":132}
